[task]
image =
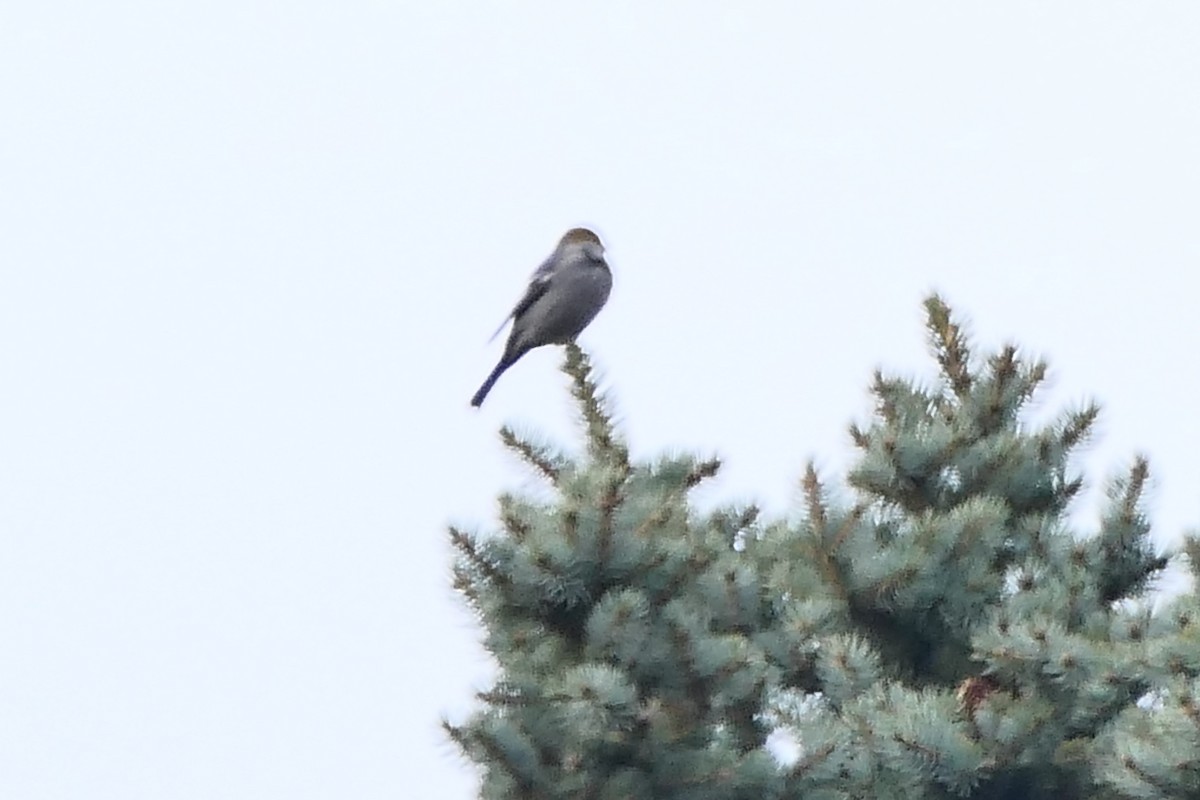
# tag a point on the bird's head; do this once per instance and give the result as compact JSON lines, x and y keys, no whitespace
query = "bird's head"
{"x":581,"y":240}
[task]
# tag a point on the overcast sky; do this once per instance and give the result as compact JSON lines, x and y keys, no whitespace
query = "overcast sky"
{"x":251,"y":253}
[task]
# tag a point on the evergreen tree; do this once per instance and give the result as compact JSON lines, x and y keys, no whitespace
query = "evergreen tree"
{"x":944,"y":633}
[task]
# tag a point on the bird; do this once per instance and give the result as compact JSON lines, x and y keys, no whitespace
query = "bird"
{"x":564,"y":295}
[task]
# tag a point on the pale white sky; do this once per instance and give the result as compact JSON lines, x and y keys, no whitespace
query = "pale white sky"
{"x":251,"y":254}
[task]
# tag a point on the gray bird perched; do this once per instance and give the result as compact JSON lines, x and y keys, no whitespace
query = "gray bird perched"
{"x":564,"y":295}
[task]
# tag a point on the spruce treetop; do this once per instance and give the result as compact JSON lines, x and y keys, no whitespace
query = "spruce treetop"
{"x":933,"y":627}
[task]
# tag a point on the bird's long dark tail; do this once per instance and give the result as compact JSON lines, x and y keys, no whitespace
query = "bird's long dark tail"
{"x":504,"y":364}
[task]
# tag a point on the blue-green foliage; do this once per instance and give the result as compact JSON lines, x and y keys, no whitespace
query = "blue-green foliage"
{"x":944,"y":633}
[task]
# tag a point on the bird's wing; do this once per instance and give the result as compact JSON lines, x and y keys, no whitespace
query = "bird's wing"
{"x":537,"y":287}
